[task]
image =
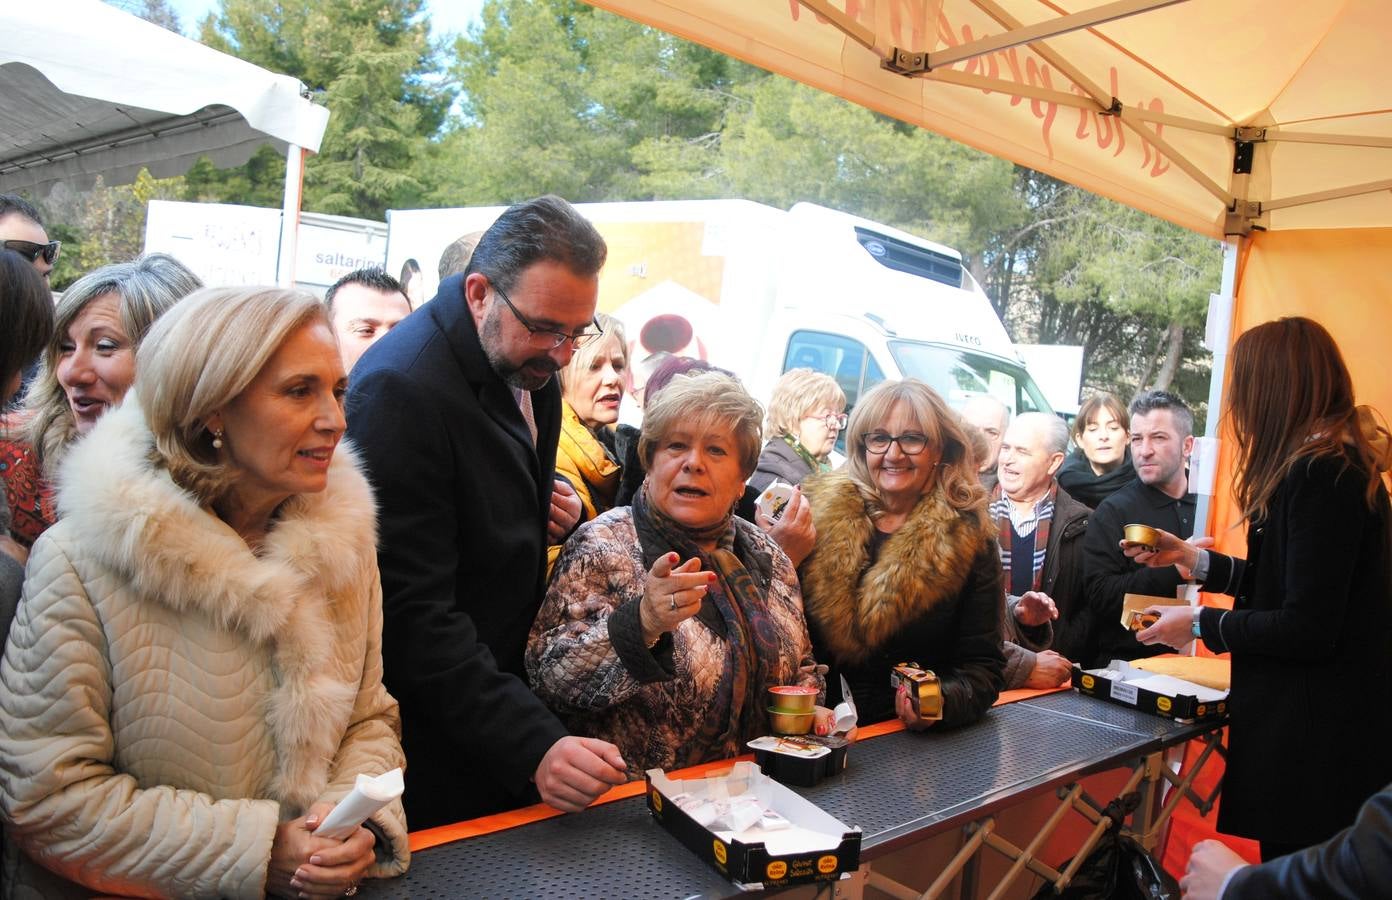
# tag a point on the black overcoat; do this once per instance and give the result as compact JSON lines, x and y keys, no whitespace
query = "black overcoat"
{"x":1311,"y":641}
{"x":463,"y":498}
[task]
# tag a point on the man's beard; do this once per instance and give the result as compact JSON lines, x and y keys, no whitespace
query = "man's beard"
{"x":514,"y":375}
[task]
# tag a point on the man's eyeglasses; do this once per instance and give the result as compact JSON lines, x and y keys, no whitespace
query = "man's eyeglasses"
{"x":32,"y":251}
{"x":549,"y":338}
{"x":912,"y":443}
{"x":834,"y":421}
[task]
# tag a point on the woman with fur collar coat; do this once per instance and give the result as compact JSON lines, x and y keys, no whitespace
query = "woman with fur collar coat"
{"x":193,"y":677}
{"x":905,"y":568}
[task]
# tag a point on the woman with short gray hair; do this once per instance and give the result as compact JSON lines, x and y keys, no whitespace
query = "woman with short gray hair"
{"x":666,"y":622}
{"x":805,"y":415}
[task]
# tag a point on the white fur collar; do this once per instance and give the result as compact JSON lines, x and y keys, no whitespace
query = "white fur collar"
{"x":124,"y":510}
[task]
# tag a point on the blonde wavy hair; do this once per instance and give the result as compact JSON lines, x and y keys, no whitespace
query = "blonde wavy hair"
{"x":145,"y":290}
{"x":198,"y":358}
{"x":798,"y":393}
{"x":955,"y":477}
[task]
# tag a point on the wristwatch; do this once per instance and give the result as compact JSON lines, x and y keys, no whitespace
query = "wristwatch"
{"x":1194,"y":628}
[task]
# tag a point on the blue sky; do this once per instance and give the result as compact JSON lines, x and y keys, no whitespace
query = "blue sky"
{"x":445,"y":15}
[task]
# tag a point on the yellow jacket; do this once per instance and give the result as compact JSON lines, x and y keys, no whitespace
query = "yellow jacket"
{"x":582,"y":460}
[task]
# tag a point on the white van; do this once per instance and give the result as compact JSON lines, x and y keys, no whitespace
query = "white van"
{"x":758,"y":290}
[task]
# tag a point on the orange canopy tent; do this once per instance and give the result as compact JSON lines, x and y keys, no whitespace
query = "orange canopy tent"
{"x":1267,"y":123}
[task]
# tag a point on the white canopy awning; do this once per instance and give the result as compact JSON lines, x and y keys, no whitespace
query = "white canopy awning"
{"x":88,"y":90}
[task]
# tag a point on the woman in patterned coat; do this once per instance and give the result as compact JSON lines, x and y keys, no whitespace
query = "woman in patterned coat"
{"x":666,"y":621}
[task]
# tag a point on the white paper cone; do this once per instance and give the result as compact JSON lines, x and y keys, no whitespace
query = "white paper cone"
{"x":368,"y":795}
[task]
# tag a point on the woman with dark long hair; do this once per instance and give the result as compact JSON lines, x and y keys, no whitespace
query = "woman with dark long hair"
{"x":1310,"y":631}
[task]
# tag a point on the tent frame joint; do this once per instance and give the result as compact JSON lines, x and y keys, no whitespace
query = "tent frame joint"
{"x":1241,"y":218}
{"x":908,"y":63}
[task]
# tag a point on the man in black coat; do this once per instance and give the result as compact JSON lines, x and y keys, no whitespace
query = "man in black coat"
{"x":1041,"y":531}
{"x":457,"y":415}
{"x":1356,"y":862}
{"x":1162,"y":437}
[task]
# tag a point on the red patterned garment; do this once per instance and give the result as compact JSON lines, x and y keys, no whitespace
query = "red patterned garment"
{"x":29,"y":496}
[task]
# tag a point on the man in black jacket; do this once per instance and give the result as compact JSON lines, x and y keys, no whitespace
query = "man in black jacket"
{"x":1355,"y":863}
{"x":1162,"y":429}
{"x":1041,"y":532}
{"x":457,"y":415}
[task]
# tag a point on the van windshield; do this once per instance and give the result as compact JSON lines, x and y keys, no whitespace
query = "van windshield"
{"x":959,"y":375}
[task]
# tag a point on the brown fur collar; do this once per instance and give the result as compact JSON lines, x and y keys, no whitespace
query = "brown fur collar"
{"x":857,"y":607}
{"x":130,"y":516}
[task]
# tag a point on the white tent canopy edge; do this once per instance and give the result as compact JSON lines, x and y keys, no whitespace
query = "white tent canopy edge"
{"x":88,"y":90}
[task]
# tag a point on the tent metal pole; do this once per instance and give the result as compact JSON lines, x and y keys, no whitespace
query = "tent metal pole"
{"x":1175,"y":156}
{"x":1016,"y":36}
{"x":1075,"y":101}
{"x":1344,"y":140}
{"x":1016,"y":89}
{"x":1352,"y":190}
{"x":1221,"y":332}
{"x":1105,"y":99}
{"x":290,"y":214}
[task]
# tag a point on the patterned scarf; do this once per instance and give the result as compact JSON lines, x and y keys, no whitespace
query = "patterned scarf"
{"x":814,"y":464}
{"x":735,"y":608}
{"x":1043,"y":518}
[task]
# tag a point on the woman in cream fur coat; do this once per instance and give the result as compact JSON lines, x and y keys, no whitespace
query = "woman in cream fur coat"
{"x":193,"y":677}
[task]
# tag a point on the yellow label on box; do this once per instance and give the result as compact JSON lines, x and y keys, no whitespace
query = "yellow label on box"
{"x":776,"y":870}
{"x":1163,"y":704}
{"x":1088,"y":682}
{"x":720,"y":852}
{"x":657,"y":800}
{"x":826,"y":864}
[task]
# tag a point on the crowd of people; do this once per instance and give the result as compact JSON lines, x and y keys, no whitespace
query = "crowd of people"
{"x":268,"y":543}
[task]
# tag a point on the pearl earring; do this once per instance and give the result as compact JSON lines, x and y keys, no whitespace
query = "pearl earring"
{"x":217,"y":440}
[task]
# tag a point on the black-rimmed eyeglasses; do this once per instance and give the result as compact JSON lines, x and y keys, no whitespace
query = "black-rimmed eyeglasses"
{"x":549,"y":338}
{"x":911,"y":443}
{"x":32,"y":251}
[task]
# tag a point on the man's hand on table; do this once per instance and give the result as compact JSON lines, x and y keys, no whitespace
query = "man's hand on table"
{"x":576,"y":770}
{"x":1050,"y":670}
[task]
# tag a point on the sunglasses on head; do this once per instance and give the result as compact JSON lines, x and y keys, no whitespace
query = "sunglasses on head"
{"x":32,"y":251}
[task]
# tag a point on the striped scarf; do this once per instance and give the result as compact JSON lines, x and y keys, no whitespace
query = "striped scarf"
{"x":1039,"y":523}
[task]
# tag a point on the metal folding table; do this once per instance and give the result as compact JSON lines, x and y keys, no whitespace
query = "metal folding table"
{"x":900,"y":788}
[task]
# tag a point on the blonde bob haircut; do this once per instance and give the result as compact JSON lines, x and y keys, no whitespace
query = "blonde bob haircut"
{"x":582,"y":357}
{"x":798,"y":394}
{"x":198,"y":358}
{"x":956,"y":478}
{"x":704,"y":401}
{"x":145,"y":290}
